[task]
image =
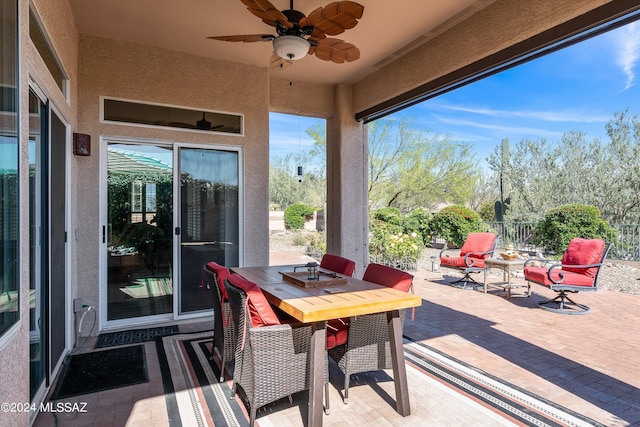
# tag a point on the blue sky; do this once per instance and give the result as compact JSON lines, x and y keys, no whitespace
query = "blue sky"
{"x":576,"y":89}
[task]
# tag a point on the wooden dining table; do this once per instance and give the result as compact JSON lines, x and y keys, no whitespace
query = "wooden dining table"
{"x":317,"y":304}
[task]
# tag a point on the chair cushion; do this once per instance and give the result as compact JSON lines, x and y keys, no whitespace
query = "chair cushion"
{"x":458,"y":262}
{"x":581,"y":252}
{"x":338,"y":264}
{"x":337,"y":333}
{"x":388,"y":276}
{"x":259,"y":308}
{"x":539,"y":275}
{"x":478,"y":242}
{"x":222,"y":273}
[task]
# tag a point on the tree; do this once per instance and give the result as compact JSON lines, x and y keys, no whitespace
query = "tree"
{"x":409,"y":168}
{"x":577,"y":170}
{"x":285,"y":188}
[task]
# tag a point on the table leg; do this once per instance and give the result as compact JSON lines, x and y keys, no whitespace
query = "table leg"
{"x":485,"y":280}
{"x":508,"y":283}
{"x":397,"y":360}
{"x":316,"y":372}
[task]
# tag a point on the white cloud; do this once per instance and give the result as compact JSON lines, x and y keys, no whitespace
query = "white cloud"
{"x":500,"y":128}
{"x":628,"y":46}
{"x":549,"y":116}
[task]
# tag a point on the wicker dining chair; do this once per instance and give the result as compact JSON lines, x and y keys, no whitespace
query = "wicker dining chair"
{"x":272,"y":359}
{"x":224,"y":328}
{"x":367,"y":345}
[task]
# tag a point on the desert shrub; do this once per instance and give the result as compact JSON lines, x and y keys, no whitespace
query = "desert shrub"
{"x":299,"y":238}
{"x":566,"y":222}
{"x":388,"y":215}
{"x":295,"y":215}
{"x":317,"y":245}
{"x":454,"y":223}
{"x":417,"y":221}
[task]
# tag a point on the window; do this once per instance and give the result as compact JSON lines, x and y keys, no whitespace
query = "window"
{"x":9,"y":239}
{"x":43,"y":47}
{"x":146,"y":114}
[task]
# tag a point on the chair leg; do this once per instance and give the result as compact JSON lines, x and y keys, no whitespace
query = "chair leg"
{"x":252,"y":416}
{"x":464,"y":281}
{"x":345,"y":398}
{"x":564,"y":305}
{"x":222,"y":364}
{"x":326,"y":399}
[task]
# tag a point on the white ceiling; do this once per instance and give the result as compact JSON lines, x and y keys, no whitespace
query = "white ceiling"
{"x":387,"y":28}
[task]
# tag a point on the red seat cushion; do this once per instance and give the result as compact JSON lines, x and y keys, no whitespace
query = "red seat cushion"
{"x":338,"y":264}
{"x":581,"y":252}
{"x":478,"y":242}
{"x":458,"y":262}
{"x":539,"y":275}
{"x":337,"y":333}
{"x":259,"y":308}
{"x":222,"y":273}
{"x":388,"y":276}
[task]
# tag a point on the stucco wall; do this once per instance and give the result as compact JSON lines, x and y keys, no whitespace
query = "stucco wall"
{"x":58,"y":23}
{"x":124,"y":70}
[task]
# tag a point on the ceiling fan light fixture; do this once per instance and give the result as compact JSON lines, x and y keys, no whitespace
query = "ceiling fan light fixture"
{"x":291,"y":47}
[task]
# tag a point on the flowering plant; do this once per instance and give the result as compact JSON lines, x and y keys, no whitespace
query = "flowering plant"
{"x":395,"y":248}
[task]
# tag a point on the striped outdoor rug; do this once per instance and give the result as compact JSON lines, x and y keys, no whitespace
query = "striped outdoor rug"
{"x":443,"y":391}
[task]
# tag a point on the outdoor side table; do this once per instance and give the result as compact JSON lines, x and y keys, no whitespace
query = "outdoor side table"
{"x":507,"y":266}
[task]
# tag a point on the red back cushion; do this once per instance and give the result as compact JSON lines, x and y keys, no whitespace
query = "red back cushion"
{"x":338,"y":264}
{"x":222,"y":273}
{"x":388,"y":276}
{"x":583,"y":251}
{"x":261,"y":312}
{"x":478,"y":242}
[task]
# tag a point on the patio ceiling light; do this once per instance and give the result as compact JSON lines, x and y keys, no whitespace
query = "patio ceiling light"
{"x":291,"y":47}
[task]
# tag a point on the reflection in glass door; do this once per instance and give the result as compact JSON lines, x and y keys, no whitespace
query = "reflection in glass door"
{"x":209,"y":220}
{"x":139,"y":231}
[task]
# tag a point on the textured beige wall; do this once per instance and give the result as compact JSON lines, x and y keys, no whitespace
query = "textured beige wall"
{"x":300,"y":98}
{"x":58,"y":23}
{"x":125,"y":70}
{"x":499,"y":25}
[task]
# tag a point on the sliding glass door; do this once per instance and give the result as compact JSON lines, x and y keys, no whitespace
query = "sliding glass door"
{"x":208,"y":219}
{"x":139,"y":231}
{"x":170,"y":210}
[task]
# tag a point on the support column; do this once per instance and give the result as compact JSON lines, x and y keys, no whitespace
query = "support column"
{"x":347,"y":182}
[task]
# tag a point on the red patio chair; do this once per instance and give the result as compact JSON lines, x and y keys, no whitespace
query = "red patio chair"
{"x":578,"y":271}
{"x":476,"y":247}
{"x":338,"y":264}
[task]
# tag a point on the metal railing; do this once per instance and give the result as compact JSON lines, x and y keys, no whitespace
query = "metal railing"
{"x":626,"y":241}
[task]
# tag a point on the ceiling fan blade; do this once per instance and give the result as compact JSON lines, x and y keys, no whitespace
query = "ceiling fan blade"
{"x":245,"y":38}
{"x":335,"y":50}
{"x":269,"y":14}
{"x":334,"y":18}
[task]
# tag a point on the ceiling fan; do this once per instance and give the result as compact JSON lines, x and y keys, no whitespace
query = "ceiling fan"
{"x":298,"y":34}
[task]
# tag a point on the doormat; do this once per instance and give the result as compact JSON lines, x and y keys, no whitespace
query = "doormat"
{"x":101,"y":370}
{"x":134,"y":336}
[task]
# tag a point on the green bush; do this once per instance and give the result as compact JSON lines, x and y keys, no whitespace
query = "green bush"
{"x":417,"y":221}
{"x":295,"y":215}
{"x":566,"y":222}
{"x":389,"y":215}
{"x":454,"y":223}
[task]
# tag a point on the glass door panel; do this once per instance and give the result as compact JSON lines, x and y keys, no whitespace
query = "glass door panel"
{"x":209,"y":227}
{"x":37,"y":310}
{"x":140,"y":230}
